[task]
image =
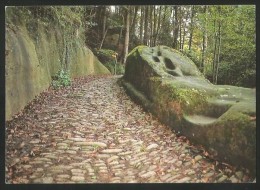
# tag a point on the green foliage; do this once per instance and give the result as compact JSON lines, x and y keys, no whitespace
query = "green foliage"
{"x":61,"y":79}
{"x":105,"y":55}
{"x":108,"y":58}
{"x":194,"y":56}
{"x":112,"y":67}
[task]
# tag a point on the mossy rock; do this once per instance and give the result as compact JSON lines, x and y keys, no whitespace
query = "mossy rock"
{"x":219,"y":117}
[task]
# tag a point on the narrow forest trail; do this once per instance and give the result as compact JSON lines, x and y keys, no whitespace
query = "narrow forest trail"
{"x":98,"y":135}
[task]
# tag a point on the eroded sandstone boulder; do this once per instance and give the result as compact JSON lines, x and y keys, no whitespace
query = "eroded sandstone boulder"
{"x":219,"y":117}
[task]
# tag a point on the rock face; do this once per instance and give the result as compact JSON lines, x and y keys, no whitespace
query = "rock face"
{"x":32,"y":57}
{"x":219,"y":117}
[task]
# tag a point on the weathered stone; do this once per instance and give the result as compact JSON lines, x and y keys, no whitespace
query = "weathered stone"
{"x":112,"y":158}
{"x":184,"y":180}
{"x":152,"y":146}
{"x":172,"y":178}
{"x":35,"y":64}
{"x":239,"y":174}
{"x":170,"y":86}
{"x":191,"y":172}
{"x":147,"y":174}
{"x":198,"y":158}
{"x":63,"y":176}
{"x":71,"y":152}
{"x":27,"y":166}
{"x":62,"y":144}
{"x":77,"y":171}
{"x":100,"y":144}
{"x":111,"y":151}
{"x":35,"y":141}
{"x":223,"y":178}
{"x":77,"y":178}
{"x":47,"y":180}
{"x":163,"y":178}
{"x":178,"y":163}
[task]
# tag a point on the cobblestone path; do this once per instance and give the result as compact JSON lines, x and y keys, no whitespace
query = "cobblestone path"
{"x":98,"y":135}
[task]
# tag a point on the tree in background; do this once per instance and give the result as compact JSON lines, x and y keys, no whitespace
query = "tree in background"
{"x":220,"y":39}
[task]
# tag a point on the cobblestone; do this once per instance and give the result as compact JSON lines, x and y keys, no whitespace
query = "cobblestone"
{"x":106,"y":138}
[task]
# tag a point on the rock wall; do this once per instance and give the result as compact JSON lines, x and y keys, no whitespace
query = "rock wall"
{"x":32,"y":57}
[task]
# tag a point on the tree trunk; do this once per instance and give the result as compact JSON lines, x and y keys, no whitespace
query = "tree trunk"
{"x":146,"y":25}
{"x":127,"y":34}
{"x":176,"y":27}
{"x":219,"y":45}
{"x":154,"y":25}
{"x":104,"y":21}
{"x":191,"y":26}
{"x":158,"y":26}
{"x":132,"y":28}
{"x":151,"y":24}
{"x":142,"y":25}
{"x":102,"y":41}
{"x":204,"y":40}
{"x":214,"y":54}
{"x":180,"y":27}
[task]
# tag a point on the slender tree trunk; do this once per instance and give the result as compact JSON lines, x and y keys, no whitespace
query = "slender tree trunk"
{"x":142,"y":25}
{"x":191,"y":26}
{"x":127,"y":33}
{"x":119,"y":40}
{"x":151,"y":24}
{"x":146,"y":26}
{"x":176,"y":27}
{"x":158,"y":26}
{"x":219,"y":45}
{"x":204,"y":40}
{"x":154,"y":25}
{"x":102,"y":41}
{"x":132,"y":28}
{"x":215,"y":54}
{"x":180,"y":27}
{"x":104,"y":21}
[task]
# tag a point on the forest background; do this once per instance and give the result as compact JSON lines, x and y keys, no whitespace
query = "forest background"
{"x":220,"y":39}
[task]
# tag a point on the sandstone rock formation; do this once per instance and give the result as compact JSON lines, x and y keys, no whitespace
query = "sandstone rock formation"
{"x":33,"y":57}
{"x":219,"y":117}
